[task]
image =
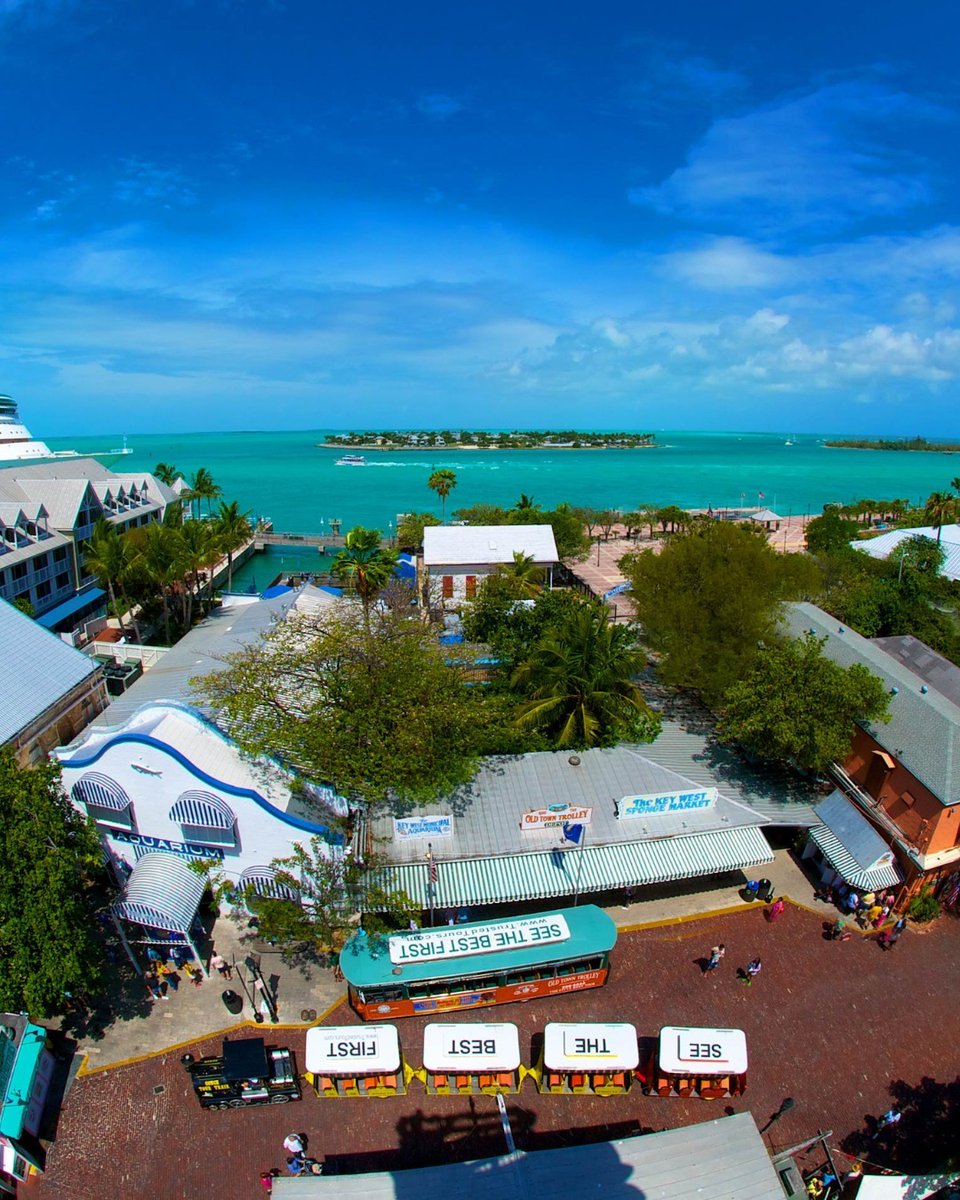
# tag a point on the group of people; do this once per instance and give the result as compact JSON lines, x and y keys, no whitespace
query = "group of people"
{"x":745,"y":974}
{"x":298,"y":1161}
{"x":870,"y":911}
{"x":162,"y":975}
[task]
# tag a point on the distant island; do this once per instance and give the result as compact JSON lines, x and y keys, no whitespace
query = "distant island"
{"x":461,"y":439}
{"x":917,"y":443}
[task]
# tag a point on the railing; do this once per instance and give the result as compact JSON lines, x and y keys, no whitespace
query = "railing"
{"x":148,"y":655}
{"x":872,"y":808}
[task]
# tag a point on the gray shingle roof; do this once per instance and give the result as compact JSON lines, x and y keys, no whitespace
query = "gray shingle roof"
{"x":939,"y":672}
{"x":36,"y":670}
{"x":924,"y":728}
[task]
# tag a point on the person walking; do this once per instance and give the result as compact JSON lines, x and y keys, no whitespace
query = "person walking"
{"x":716,"y":954}
{"x":220,"y":964}
{"x":890,"y":1118}
{"x":293,"y":1144}
{"x":751,"y":971}
{"x":777,"y":909}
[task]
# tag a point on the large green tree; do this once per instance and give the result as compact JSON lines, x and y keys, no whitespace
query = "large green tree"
{"x":51,"y":857}
{"x":940,"y":510}
{"x":831,"y":533}
{"x":709,"y":598}
{"x":109,"y":555}
{"x":797,"y":706}
{"x":374,"y":711}
{"x":410,"y":530}
{"x":580,"y":683}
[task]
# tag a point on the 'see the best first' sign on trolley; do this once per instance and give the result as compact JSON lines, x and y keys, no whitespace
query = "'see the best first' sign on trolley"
{"x":453,"y":942}
{"x":686,"y":1051}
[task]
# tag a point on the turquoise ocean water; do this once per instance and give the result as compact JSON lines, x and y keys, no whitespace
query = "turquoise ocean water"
{"x":286,"y":477}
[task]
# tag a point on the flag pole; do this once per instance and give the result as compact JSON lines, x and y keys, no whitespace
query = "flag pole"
{"x":431,"y":879}
{"x":583,"y":842}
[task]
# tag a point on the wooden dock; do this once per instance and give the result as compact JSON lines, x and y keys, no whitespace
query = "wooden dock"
{"x":319,"y":541}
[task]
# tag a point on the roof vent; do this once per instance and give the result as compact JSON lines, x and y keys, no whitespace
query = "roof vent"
{"x":923,"y":689}
{"x":894,"y":691}
{"x":574,"y":760}
{"x":840,"y":629}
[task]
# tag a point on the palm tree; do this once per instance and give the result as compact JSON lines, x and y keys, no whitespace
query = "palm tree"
{"x":109,"y":556}
{"x":202,"y":487}
{"x":194,"y":548}
{"x":939,"y":510}
{"x":166,"y":473}
{"x":365,"y":565}
{"x":158,"y":557}
{"x":525,"y":508}
{"x":955,"y":484}
{"x":579,"y":680}
{"x":443,"y":482}
{"x":232,"y":531}
{"x":527,"y":574}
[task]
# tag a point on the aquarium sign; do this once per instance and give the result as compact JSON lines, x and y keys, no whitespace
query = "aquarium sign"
{"x":406,"y":829}
{"x":655,"y":803}
{"x":183,"y":849}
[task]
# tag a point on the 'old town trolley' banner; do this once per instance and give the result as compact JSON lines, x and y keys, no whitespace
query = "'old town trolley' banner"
{"x":479,"y":963}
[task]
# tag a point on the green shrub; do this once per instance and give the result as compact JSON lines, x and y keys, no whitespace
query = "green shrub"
{"x":923,"y":907}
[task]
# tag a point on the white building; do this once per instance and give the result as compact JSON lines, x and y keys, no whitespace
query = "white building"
{"x":457,"y":558}
{"x":155,"y":773}
{"x":888,"y":545}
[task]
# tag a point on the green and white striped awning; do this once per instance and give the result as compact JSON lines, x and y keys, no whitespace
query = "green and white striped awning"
{"x":839,"y":857}
{"x":558,"y":873}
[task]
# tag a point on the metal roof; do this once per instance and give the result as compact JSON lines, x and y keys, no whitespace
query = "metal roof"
{"x":488,"y":545}
{"x":886,"y":544}
{"x":37,"y":670}
{"x":888,"y":875}
{"x":723,"y":1159}
{"x":939,"y":672}
{"x":91,"y":598}
{"x":923,"y":732}
{"x":161,"y":892}
{"x":487,"y":812}
{"x":542,"y":876}
{"x":861,"y":841}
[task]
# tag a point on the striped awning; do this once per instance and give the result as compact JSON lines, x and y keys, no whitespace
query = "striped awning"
{"x":203,"y":809}
{"x":162,"y":892}
{"x":843,"y":862}
{"x":264,"y":882}
{"x":540,"y":876}
{"x":101,"y":790}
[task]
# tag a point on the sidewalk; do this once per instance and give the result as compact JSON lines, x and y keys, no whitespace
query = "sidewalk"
{"x":142,"y":1027}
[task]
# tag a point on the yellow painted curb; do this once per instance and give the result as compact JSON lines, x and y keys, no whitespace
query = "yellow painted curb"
{"x":85,"y":1070}
{"x":688,"y":917}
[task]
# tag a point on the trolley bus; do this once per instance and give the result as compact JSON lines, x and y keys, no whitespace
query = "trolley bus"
{"x":455,"y":967}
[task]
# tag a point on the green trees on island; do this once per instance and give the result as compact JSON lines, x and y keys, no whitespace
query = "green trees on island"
{"x":795,"y":705}
{"x":442,"y":482}
{"x":51,"y":863}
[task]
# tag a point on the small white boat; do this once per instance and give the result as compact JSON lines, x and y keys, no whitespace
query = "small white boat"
{"x":351,"y":460}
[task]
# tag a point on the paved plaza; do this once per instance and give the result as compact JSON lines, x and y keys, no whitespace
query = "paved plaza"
{"x":842,"y":1028}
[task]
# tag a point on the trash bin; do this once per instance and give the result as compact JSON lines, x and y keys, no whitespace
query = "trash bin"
{"x":750,"y":889}
{"x":232,"y":1002}
{"x":765,"y":890}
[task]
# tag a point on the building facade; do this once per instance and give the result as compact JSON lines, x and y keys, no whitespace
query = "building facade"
{"x":457,"y":558}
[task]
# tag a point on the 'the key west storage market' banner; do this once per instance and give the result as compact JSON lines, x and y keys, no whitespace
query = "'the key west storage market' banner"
{"x":653,"y":803}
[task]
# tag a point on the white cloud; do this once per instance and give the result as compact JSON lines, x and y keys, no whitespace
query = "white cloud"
{"x":728,"y":263}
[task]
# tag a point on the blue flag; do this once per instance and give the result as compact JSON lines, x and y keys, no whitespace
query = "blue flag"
{"x":573,"y":833}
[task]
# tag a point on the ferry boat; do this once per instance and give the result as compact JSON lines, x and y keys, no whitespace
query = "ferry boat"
{"x":18,"y":445}
{"x":351,"y":460}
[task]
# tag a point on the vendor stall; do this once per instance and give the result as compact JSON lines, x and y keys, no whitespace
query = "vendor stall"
{"x":471,"y":1058}
{"x":344,"y":1060}
{"x":588,"y":1059}
{"x":709,"y":1063}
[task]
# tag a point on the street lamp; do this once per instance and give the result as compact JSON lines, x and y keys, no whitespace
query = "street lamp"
{"x":785,"y":1105}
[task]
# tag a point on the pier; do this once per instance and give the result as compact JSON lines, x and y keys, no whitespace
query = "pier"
{"x":320,"y":540}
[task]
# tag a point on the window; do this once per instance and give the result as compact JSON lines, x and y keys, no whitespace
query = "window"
{"x":471,"y":591}
{"x":43,"y":589}
{"x":60,"y":554}
{"x":204,"y":817}
{"x":447,"y":583}
{"x":63,"y":580}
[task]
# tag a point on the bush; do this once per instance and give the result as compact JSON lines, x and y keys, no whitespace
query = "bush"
{"x":923,"y":907}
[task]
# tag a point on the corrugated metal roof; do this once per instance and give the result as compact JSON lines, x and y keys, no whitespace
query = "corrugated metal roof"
{"x":923,"y":732}
{"x":161,"y":892}
{"x":37,"y":670}
{"x":846,"y":865}
{"x":859,"y":838}
{"x":540,"y":876}
{"x":455,"y":545}
{"x":886,"y":544}
{"x":723,"y":1159}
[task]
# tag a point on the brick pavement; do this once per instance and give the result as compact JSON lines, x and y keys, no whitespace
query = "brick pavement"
{"x":834,"y":1025}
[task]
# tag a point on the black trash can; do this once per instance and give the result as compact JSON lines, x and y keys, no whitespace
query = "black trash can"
{"x":765,"y":891}
{"x":232,"y":1002}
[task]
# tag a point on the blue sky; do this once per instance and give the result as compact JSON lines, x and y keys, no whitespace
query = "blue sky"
{"x":245,"y":214}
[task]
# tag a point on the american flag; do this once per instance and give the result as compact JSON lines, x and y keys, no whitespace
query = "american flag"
{"x":433,"y":869}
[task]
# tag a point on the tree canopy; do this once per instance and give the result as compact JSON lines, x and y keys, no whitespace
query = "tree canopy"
{"x":51,"y":856}
{"x":374,"y":711}
{"x":831,"y":533}
{"x":797,"y":706}
{"x":709,"y":598}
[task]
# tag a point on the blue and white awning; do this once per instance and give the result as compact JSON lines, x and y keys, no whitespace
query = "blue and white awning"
{"x":839,"y":857}
{"x":264,"y":882}
{"x":162,"y":892}
{"x":203,"y":809}
{"x":101,"y":790}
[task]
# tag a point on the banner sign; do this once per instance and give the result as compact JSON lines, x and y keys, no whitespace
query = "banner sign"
{"x":655,"y":803}
{"x":554,"y":816}
{"x":407,"y":828}
{"x":184,"y":849}
{"x":451,"y":942}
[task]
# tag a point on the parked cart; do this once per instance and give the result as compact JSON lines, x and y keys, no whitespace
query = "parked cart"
{"x":245,"y":1073}
{"x":588,"y":1059}
{"x":704,"y":1062}
{"x":346,"y":1060}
